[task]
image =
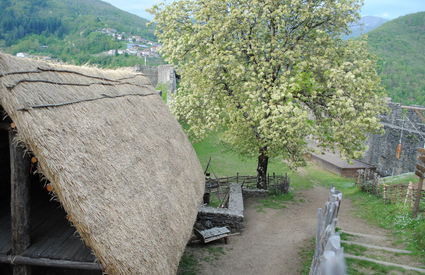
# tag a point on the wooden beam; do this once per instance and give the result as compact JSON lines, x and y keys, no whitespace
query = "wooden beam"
{"x":20,"y":201}
{"x":22,"y":260}
{"x":413,"y":108}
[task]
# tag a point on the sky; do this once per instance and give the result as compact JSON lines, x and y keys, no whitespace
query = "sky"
{"x":388,"y":9}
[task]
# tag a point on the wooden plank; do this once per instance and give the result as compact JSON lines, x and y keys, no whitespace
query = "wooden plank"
{"x":421,"y":150}
{"x":22,"y":260}
{"x":53,"y":230}
{"x":72,"y":247}
{"x":389,"y":249}
{"x":20,"y":181}
{"x":419,"y":174}
{"x":422,"y":158}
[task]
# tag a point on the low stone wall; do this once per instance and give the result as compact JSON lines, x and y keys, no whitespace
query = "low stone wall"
{"x":232,"y":216}
{"x":254,"y":193}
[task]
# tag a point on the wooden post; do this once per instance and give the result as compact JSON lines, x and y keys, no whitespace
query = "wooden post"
{"x":420,"y":173}
{"x":418,"y":197}
{"x":237,"y":177}
{"x":20,"y":201}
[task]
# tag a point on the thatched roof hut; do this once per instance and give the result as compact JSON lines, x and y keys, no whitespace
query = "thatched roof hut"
{"x":118,"y":161}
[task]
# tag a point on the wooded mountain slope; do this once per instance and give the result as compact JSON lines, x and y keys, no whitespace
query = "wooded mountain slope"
{"x":65,"y":29}
{"x":400,"y":47}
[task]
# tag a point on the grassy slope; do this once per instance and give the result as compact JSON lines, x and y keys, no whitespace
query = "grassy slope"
{"x":225,"y":162}
{"x":400,"y":47}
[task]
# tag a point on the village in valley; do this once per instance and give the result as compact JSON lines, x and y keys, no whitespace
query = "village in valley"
{"x":135,"y":44}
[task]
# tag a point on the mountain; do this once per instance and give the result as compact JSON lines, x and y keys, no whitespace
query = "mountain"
{"x":70,"y":30}
{"x":400,"y":47}
{"x":365,"y":25}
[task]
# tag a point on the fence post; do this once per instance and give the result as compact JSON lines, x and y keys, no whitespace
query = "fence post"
{"x":237,"y":177}
{"x":418,"y":197}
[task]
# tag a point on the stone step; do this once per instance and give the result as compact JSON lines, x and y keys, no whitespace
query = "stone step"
{"x":362,"y":258}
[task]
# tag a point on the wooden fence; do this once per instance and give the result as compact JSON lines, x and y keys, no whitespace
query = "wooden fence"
{"x":274,"y":183}
{"x":328,"y":256}
{"x":404,"y":193}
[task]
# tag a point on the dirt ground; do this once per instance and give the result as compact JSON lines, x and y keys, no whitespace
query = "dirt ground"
{"x":272,"y":239}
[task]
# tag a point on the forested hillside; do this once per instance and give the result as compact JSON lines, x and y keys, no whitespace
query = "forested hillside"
{"x":400,"y":47}
{"x":67,"y":29}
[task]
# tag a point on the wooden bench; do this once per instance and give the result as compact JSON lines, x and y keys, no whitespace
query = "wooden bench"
{"x":212,"y":234}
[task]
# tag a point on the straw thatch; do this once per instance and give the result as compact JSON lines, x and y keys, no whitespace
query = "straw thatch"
{"x":119,"y":162}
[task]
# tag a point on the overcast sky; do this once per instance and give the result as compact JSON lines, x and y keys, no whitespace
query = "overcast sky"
{"x":388,"y":9}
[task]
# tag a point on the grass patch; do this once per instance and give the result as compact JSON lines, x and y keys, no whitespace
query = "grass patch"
{"x":213,"y":253}
{"x":360,"y":267}
{"x":188,"y":264}
{"x":225,"y":162}
{"x":215,"y":201}
{"x":403,"y":178}
{"x":354,"y":249}
{"x":164,"y":90}
{"x":306,"y":256}
{"x":274,"y":201}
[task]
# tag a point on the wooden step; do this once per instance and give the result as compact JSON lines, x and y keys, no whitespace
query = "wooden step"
{"x":349,"y":256}
{"x":389,"y":249}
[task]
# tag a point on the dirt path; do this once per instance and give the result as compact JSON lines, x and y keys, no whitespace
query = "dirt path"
{"x":272,"y":239}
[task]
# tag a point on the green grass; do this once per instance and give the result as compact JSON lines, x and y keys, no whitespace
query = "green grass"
{"x":306,"y":256}
{"x":225,"y":162}
{"x":188,"y":264}
{"x":215,"y":201}
{"x":403,"y":178}
{"x":360,"y":267}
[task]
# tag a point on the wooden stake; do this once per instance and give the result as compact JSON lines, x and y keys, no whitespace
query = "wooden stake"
{"x":418,"y":197}
{"x":20,"y":201}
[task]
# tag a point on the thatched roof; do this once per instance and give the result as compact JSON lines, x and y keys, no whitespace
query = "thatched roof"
{"x":119,"y":162}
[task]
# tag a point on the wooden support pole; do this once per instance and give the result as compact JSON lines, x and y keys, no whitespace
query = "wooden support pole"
{"x":21,"y":260}
{"x":418,"y":197}
{"x":20,"y":201}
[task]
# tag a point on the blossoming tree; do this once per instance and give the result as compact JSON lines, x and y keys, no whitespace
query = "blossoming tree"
{"x":272,"y":74}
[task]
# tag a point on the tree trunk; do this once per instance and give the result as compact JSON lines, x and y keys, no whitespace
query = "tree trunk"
{"x":263,"y":161}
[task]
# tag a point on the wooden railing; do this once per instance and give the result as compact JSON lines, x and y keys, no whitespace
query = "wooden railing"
{"x":273,"y":182}
{"x":328,"y":256}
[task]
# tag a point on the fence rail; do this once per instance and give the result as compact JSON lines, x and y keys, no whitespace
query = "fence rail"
{"x":328,"y":256}
{"x":277,"y":183}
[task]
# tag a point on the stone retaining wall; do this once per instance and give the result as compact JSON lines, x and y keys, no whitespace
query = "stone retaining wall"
{"x":232,"y":216}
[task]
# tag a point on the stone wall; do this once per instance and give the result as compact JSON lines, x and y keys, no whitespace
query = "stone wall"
{"x":162,"y":74}
{"x":150,"y":72}
{"x":231,"y":217}
{"x":398,"y":123}
{"x":254,"y":193}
